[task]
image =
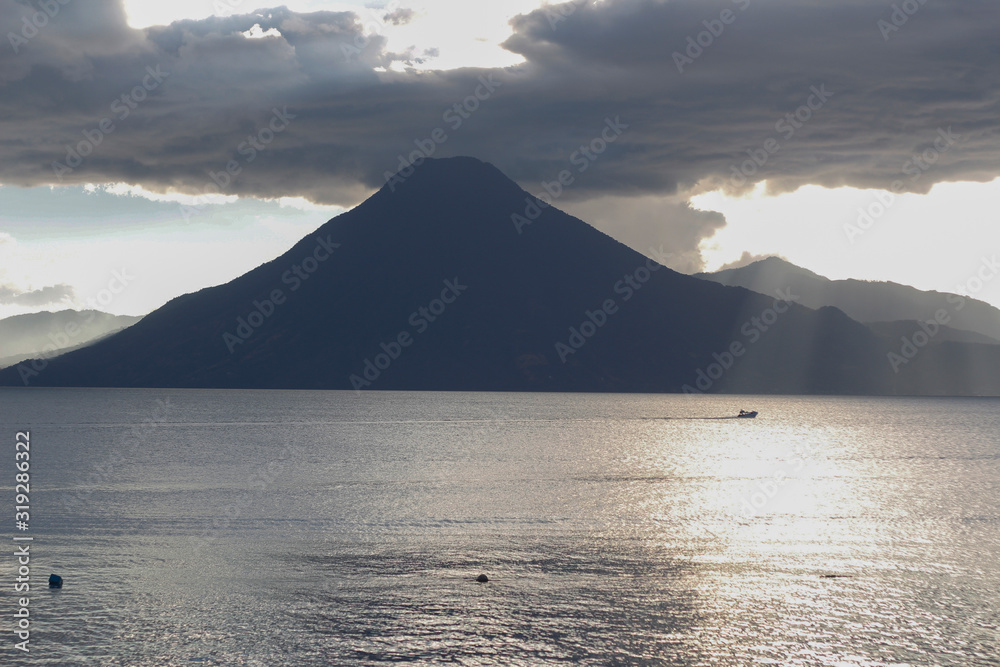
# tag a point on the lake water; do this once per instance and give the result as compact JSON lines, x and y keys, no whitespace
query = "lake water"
{"x":327,"y":528}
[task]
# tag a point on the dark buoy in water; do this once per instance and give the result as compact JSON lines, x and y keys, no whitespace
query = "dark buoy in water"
{"x":482,"y":578}
{"x":55,"y":581}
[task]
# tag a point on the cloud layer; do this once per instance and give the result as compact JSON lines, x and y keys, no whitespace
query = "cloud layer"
{"x":10,"y":295}
{"x":718,"y":92}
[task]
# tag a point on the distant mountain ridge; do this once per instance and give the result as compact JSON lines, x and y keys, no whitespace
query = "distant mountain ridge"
{"x":53,"y":333}
{"x":438,"y":283}
{"x":865,"y":301}
{"x":904,"y":328}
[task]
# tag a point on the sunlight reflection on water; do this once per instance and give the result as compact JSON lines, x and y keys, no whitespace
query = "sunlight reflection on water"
{"x":828,"y":531}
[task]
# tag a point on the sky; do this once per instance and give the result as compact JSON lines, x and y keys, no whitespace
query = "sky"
{"x":856,"y":139}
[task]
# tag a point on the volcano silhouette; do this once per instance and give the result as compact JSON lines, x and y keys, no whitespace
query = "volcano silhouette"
{"x":452,"y":277}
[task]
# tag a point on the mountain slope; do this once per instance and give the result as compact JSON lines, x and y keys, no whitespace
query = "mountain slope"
{"x":429,"y":285}
{"x":863,"y":300}
{"x":22,"y":336}
{"x":944,"y":334}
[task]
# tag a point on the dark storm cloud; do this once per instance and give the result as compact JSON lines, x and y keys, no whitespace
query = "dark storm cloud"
{"x":40,"y":297}
{"x":210,"y":97}
{"x":705,"y":82}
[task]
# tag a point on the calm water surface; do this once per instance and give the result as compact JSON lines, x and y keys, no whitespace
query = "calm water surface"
{"x":325,"y":528}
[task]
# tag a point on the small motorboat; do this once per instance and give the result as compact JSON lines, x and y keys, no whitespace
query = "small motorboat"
{"x":746,"y":414}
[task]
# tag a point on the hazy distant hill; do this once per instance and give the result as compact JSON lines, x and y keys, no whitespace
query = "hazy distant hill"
{"x":904,"y":328}
{"x":867,"y":301}
{"x":23,"y":336}
{"x":428,"y":285}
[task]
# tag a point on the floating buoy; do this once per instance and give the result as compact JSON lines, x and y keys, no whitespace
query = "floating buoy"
{"x":482,"y":578}
{"x":55,"y":581}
